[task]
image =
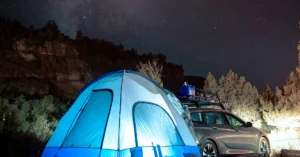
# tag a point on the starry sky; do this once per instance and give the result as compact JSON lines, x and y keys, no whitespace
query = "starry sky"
{"x":255,"y":38}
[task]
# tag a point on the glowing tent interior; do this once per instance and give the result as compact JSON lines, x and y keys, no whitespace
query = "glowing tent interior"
{"x":122,"y":114}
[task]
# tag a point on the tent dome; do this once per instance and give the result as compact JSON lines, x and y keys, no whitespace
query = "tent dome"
{"x":122,"y":114}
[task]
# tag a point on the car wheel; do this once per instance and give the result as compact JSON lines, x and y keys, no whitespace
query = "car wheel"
{"x":264,"y":148}
{"x":209,"y":149}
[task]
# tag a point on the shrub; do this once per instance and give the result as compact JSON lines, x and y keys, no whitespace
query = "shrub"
{"x":27,"y":124}
{"x":151,"y":69}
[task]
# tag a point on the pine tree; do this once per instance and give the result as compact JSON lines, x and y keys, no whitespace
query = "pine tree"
{"x":238,"y":95}
{"x":298,"y":47}
{"x":79,"y":35}
{"x":210,"y":83}
{"x":52,"y":31}
{"x":268,"y":94}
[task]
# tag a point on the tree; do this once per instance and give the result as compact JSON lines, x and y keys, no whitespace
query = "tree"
{"x":151,"y":69}
{"x":288,"y":104}
{"x":52,"y":31}
{"x":79,"y":35}
{"x":298,"y":48}
{"x":237,"y":95}
{"x":268,"y":94}
{"x":34,"y":117}
{"x":284,"y":113}
{"x":210,"y":83}
{"x":27,"y":123}
{"x":292,"y":83}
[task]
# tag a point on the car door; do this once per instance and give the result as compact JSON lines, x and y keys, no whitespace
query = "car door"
{"x":218,"y":127}
{"x":200,"y":128}
{"x":246,"y":137}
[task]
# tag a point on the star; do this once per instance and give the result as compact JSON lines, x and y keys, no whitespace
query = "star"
{"x":202,"y":28}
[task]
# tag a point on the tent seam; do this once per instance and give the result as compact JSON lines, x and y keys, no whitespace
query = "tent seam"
{"x":107,"y":119}
{"x":120,"y":112}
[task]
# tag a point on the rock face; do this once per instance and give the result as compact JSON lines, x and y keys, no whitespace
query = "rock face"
{"x":44,"y":61}
{"x":49,"y":67}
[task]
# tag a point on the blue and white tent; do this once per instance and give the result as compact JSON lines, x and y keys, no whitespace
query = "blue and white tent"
{"x":122,"y":114}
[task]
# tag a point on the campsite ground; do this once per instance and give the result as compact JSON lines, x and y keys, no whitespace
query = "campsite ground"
{"x":286,"y":143}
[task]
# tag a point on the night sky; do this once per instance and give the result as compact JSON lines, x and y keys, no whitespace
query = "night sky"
{"x":255,"y":38}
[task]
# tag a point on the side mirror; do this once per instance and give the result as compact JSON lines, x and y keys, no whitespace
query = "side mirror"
{"x":249,"y":124}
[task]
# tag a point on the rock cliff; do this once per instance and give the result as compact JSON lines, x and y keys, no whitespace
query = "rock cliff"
{"x":45,"y":61}
{"x":42,"y":68}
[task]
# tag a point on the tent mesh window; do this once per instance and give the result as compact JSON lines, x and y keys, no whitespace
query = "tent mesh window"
{"x":89,"y":129}
{"x":154,"y":126}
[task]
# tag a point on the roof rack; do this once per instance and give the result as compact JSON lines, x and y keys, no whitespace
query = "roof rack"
{"x":204,"y":99}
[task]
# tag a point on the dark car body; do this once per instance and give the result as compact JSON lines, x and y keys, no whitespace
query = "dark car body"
{"x":229,"y":133}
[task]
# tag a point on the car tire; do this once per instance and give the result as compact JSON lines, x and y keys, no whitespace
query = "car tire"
{"x":264,"y":148}
{"x":209,"y":149}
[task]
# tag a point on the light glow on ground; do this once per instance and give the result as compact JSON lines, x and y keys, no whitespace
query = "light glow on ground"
{"x":285,"y":139}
